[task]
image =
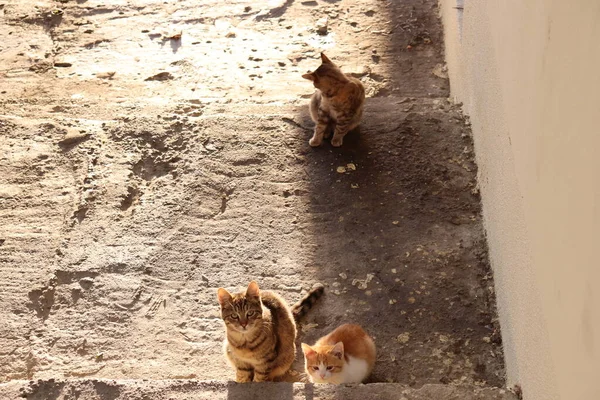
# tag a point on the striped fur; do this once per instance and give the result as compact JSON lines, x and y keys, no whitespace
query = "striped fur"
{"x":261,"y":333}
{"x":336,"y":105}
{"x":301,"y":308}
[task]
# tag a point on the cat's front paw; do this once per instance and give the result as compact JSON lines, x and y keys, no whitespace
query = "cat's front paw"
{"x":314,"y":142}
{"x":243,"y":376}
{"x":337,"y":142}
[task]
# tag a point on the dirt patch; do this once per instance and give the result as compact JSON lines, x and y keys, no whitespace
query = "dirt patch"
{"x":128,"y":199}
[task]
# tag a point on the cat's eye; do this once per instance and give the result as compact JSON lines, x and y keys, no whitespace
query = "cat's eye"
{"x":234,"y":316}
{"x":329,"y":368}
{"x":315,"y":368}
{"x":250,"y":313}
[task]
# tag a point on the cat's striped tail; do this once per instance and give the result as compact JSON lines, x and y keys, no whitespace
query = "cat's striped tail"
{"x":302,"y":307}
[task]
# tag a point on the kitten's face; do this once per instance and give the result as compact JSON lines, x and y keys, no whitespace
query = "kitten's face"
{"x":327,"y":77}
{"x":242,"y":312}
{"x":323,"y":363}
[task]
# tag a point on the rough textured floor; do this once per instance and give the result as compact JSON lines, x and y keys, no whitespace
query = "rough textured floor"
{"x":94,"y":389}
{"x":140,"y":171}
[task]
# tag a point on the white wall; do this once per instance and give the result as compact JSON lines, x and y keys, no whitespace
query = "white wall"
{"x":528,"y":73}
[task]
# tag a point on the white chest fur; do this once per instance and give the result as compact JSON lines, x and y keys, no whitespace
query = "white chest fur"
{"x":355,"y":370}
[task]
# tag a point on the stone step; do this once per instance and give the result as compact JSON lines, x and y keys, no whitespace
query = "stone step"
{"x":96,"y":389}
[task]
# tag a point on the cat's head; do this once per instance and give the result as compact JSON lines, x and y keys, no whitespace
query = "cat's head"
{"x":242,"y":312}
{"x":323,"y":363}
{"x":328,"y":77}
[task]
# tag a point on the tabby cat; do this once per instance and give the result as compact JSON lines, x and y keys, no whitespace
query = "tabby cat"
{"x":261,"y":331}
{"x":337,"y":104}
{"x":346,"y":355}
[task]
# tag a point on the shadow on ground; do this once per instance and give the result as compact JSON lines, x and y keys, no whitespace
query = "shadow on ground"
{"x":281,"y":390}
{"x":395,"y":221}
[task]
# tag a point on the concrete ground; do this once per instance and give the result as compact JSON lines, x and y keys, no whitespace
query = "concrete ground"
{"x":220,"y":390}
{"x":153,"y":151}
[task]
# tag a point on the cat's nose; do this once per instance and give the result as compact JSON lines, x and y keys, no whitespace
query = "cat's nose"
{"x":243,"y":323}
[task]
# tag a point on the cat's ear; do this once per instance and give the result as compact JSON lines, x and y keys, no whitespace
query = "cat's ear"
{"x":223,"y":296}
{"x":310,"y":76}
{"x":252,"y":290}
{"x":338,"y":350}
{"x":308,"y":351}
{"x":324,"y":59}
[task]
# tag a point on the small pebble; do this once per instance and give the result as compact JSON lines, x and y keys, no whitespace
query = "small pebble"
{"x":322,"y":26}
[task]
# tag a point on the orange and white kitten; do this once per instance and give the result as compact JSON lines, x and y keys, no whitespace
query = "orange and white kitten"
{"x":346,"y":355}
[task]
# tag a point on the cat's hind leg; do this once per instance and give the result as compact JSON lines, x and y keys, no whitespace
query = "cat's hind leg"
{"x":323,"y":122}
{"x":317,"y":137}
{"x":315,"y":102}
{"x":320,"y":118}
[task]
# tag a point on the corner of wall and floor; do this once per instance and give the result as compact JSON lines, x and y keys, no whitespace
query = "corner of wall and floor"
{"x":525,"y":73}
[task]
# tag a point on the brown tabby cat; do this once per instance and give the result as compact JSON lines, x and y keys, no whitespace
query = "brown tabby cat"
{"x":346,"y":355}
{"x":261,"y":331}
{"x":336,"y":104}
